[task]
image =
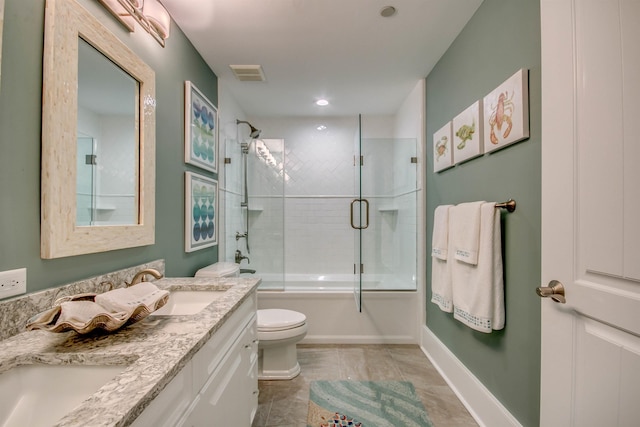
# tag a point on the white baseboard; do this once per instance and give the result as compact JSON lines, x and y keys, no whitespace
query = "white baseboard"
{"x":481,"y":404}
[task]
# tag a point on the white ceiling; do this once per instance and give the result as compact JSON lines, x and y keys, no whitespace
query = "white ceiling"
{"x":341,"y":50}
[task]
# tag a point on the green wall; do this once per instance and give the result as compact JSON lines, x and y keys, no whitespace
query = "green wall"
{"x":502,"y":37}
{"x":20,"y":127}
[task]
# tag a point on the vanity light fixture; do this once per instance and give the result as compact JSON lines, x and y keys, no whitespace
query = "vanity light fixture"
{"x":322,"y":102}
{"x":321,"y":127}
{"x":150,"y":14}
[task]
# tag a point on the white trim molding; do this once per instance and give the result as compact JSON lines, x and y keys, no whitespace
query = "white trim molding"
{"x":481,"y":404}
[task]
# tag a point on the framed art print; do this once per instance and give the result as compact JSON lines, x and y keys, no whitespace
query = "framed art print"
{"x":467,"y":134}
{"x":506,"y":112}
{"x":201,"y":212}
{"x":200,"y":129}
{"x":442,"y":153}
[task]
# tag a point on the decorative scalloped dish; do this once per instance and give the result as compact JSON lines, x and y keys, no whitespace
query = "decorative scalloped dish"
{"x":55,"y":320}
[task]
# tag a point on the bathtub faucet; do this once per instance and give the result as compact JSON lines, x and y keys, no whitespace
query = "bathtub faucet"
{"x":240,"y":257}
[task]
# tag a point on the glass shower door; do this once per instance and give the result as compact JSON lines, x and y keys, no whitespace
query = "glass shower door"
{"x":85,"y":185}
{"x":384,"y":215}
{"x":388,"y":246}
{"x":356,"y":217}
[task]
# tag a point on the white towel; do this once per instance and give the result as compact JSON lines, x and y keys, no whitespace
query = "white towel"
{"x":127,"y":299}
{"x":441,"y":264}
{"x":478,"y":290}
{"x":80,"y":313}
{"x":440,"y":236}
{"x":465,"y":233}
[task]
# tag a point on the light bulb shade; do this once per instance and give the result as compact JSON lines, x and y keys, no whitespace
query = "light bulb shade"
{"x":157,"y":16}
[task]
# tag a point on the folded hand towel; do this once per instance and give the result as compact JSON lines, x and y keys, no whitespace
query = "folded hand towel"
{"x":79,"y":313}
{"x":127,"y":299}
{"x":464,"y":229}
{"x":441,"y":260}
{"x":440,"y":236}
{"x":478,"y":290}
{"x":441,"y":285}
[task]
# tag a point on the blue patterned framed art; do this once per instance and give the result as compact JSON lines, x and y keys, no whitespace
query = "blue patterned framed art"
{"x":201,"y":212}
{"x":200,"y":129}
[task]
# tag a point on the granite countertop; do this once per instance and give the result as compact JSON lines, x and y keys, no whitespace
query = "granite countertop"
{"x":153,"y":350}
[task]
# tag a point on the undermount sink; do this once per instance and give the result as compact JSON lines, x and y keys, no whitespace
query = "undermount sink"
{"x":187,"y":302}
{"x":40,"y":394}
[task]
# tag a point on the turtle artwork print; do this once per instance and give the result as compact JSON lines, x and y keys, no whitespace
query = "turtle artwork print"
{"x":467,"y":137}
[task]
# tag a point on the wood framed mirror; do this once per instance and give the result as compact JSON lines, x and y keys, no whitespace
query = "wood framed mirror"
{"x":1,"y":20}
{"x":70,"y":29}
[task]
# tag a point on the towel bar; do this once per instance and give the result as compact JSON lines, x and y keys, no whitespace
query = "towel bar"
{"x":509,"y":205}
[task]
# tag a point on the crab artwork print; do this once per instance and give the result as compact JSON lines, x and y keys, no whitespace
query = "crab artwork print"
{"x":506,"y":111}
{"x":442,"y":149}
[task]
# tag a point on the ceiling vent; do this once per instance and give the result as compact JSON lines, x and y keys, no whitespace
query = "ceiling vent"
{"x":248,"y":73}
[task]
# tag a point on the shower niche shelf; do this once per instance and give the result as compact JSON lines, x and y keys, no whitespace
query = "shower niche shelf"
{"x":387,"y":209}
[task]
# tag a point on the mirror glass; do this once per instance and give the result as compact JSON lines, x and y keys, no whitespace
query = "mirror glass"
{"x":1,"y":20}
{"x":98,"y":138}
{"x":107,"y":183}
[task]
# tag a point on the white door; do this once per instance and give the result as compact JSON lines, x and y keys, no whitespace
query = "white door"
{"x":591,"y":212}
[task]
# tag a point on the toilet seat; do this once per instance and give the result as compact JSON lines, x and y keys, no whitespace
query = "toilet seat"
{"x":274,"y":320}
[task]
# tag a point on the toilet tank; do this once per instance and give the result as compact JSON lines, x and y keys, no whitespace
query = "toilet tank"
{"x":219,"y":269}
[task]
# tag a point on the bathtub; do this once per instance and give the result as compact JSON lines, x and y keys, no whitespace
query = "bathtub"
{"x":328,"y":301}
{"x":334,"y":282}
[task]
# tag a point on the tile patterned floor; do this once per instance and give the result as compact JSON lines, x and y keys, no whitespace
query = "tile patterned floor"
{"x":284,"y":403}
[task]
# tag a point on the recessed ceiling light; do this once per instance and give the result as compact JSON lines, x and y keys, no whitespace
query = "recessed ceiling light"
{"x":388,"y":11}
{"x":322,"y":102}
{"x":321,"y":127}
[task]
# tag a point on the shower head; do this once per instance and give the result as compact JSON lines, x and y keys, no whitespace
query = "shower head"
{"x":255,"y":133}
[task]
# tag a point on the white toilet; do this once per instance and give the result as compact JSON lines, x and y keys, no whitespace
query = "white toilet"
{"x":278,"y":332}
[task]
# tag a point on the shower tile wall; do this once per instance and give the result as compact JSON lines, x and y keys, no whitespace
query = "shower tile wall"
{"x":116,"y":182}
{"x":266,"y":177}
{"x":318,"y":238}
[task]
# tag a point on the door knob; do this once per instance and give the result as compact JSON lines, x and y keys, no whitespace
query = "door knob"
{"x":555,"y":291}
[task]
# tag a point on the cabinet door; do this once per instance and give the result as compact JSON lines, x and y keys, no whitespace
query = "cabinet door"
{"x":227,"y":398}
{"x":170,"y":404}
{"x":251,"y":375}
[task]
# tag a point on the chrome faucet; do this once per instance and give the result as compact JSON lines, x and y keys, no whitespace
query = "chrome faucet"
{"x":240,"y":257}
{"x":140,"y":276}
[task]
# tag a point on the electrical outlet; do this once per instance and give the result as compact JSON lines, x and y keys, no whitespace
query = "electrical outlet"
{"x":13,"y":282}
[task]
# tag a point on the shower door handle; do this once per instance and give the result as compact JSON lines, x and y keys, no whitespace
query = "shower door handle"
{"x":366,"y":203}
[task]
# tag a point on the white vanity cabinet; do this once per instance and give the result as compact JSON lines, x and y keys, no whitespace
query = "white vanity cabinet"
{"x":219,"y":386}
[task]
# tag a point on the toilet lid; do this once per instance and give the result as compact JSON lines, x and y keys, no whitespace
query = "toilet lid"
{"x":219,"y":269}
{"x":275,"y":319}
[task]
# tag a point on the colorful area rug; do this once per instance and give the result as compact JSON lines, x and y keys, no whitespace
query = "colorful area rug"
{"x":365,"y":404}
